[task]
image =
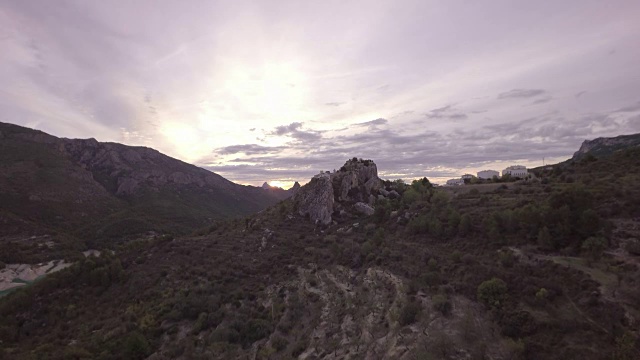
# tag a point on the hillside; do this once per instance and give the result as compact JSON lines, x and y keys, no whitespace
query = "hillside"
{"x":602,"y":147}
{"x":538,"y":269}
{"x":97,"y":191}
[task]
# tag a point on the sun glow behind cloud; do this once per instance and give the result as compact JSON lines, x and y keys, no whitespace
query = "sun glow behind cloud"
{"x":280,"y":90}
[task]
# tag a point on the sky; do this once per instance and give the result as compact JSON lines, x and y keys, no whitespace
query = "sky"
{"x":277,"y":91}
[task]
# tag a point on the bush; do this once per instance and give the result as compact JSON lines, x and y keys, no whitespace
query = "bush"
{"x":594,"y":246}
{"x":464,"y":228}
{"x":279,"y":343}
{"x":456,"y":256}
{"x":632,"y":246}
{"x":442,"y":304}
{"x":409,"y":313}
{"x":136,"y":346}
{"x":493,"y":293}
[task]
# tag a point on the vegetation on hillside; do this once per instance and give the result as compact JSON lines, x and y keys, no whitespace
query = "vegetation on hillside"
{"x":534,"y":269}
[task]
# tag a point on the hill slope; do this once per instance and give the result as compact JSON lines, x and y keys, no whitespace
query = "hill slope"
{"x":431,"y":274}
{"x":105,"y":190}
{"x":602,"y":147}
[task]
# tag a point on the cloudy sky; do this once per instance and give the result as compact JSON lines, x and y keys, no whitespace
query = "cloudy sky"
{"x":279,"y":90}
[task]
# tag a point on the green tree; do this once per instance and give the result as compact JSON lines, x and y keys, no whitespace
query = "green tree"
{"x":594,"y":246}
{"x":136,"y":346}
{"x":493,"y":293}
{"x":464,"y":228}
{"x":453,"y":222}
{"x":410,"y":196}
{"x":544,"y":239}
{"x":409,"y":313}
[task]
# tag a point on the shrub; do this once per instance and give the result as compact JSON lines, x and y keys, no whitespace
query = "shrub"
{"x":493,"y":293}
{"x":136,"y":346}
{"x":456,"y":256}
{"x":432,"y":264}
{"x":279,"y":343}
{"x":632,"y":246}
{"x":442,"y":304}
{"x":542,"y":295}
{"x":464,"y":228}
{"x":409,"y":313}
{"x":594,"y":246}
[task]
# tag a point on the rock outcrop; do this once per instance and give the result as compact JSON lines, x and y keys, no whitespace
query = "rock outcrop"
{"x":603,"y":147}
{"x":354,"y":185}
{"x":364,"y":208}
{"x":315,"y":199}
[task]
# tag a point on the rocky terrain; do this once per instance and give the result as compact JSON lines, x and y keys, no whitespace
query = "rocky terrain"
{"x":353,"y":267}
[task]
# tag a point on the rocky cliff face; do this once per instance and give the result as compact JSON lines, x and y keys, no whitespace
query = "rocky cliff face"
{"x":602,"y":147}
{"x":355,"y":184}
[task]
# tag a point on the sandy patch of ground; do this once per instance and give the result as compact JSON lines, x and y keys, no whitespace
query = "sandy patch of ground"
{"x":16,"y":275}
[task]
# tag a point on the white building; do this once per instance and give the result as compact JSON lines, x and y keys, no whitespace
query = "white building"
{"x":467,"y":177}
{"x":455,"y":182}
{"x":488,"y":174}
{"x":518,"y":171}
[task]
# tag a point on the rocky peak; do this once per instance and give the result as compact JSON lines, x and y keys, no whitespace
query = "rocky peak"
{"x":266,"y":186}
{"x":294,"y":189}
{"x":356,"y":182}
{"x":606,"y":146}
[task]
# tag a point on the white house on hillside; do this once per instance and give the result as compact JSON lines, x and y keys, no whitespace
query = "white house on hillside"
{"x":488,"y":174}
{"x":467,"y":177}
{"x":516,"y":171}
{"x":454,"y":182}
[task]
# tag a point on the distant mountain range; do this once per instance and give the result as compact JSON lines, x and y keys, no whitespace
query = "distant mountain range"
{"x":95,"y":190}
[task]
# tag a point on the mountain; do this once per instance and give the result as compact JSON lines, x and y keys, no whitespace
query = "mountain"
{"x":94,"y":190}
{"x":279,"y":192}
{"x":603,"y":147}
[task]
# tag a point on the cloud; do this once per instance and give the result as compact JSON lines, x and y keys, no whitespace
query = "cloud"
{"x":631,"y":108}
{"x":249,"y":149}
{"x":294,"y":130}
{"x":542,"y":100}
{"x":373,"y":122}
{"x":446,"y":112}
{"x":521,"y":93}
{"x":336,"y":104}
{"x":580,"y":93}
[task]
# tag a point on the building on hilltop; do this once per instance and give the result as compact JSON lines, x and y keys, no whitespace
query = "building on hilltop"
{"x":488,"y":174}
{"x":517,"y":171}
{"x":467,"y":177}
{"x":455,"y":182}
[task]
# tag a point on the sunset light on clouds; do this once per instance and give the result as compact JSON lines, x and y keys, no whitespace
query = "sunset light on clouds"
{"x":279,"y":90}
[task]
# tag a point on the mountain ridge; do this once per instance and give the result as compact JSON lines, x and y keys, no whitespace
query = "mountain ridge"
{"x":90,"y":188}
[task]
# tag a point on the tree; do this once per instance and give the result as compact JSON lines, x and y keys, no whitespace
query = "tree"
{"x":493,"y":293}
{"x":137,"y":346}
{"x":544,"y":239}
{"x":409,"y":313}
{"x":441,"y":304}
{"x":594,"y":246}
{"x":464,"y":228}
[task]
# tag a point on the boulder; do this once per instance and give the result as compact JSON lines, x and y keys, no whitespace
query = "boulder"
{"x":364,"y":208}
{"x":315,"y":199}
{"x":394,"y":194}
